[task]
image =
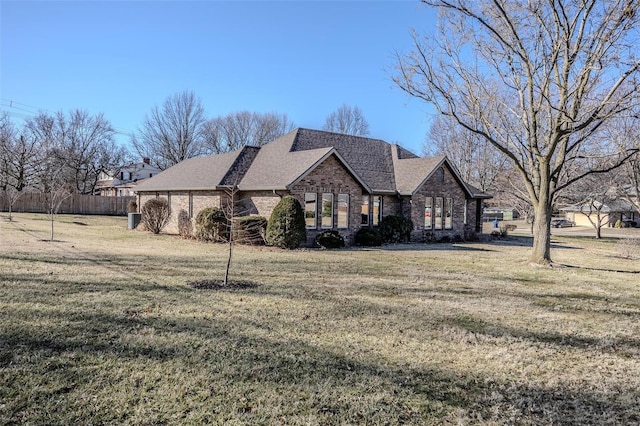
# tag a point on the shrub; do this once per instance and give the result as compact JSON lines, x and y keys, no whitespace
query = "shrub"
{"x":185,"y":226}
{"x":211,"y":225}
{"x":445,"y":239}
{"x":470,"y":234}
{"x":395,"y":229}
{"x":368,"y":237}
{"x":286,"y":227}
{"x":502,"y":232}
{"x":155,"y":214}
{"x":429,"y":237}
{"x":249,"y":230}
{"x":329,"y":239}
{"x":132,"y":207}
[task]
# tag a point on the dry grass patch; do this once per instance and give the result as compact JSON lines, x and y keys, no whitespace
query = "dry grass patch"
{"x":103,"y":328}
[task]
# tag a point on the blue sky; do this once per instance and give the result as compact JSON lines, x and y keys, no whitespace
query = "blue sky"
{"x":302,"y":58}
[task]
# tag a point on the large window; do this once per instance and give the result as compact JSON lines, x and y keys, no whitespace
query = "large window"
{"x":310,"y":209}
{"x":327,"y":210}
{"x":428,"y":213}
{"x":377,"y":210}
{"x":466,"y":206}
{"x":448,"y":213}
{"x":343,"y":210}
{"x":364,"y":212}
{"x":438,"y":216}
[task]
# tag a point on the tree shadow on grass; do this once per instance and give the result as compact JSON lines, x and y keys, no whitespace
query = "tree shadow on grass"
{"x":621,"y":346}
{"x":588,"y":268}
{"x":340,"y":388}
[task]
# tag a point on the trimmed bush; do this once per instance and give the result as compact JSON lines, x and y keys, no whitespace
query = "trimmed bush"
{"x":368,"y":237}
{"x":286,"y":227}
{"x":249,"y":230}
{"x":395,"y":229}
{"x":445,"y":239}
{"x":155,"y":214}
{"x":329,"y":239}
{"x":185,"y":226}
{"x":211,"y":225}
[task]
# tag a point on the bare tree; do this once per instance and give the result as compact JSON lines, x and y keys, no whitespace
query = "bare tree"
{"x":238,"y":129}
{"x":88,"y":148}
{"x":56,"y":188}
{"x":626,"y":134}
{"x":173,"y":132}
{"x":81,"y":145}
{"x":348,"y":120}
{"x":593,"y":196}
{"x":246,"y":232}
{"x":538,"y":80}
{"x":20,"y":153}
{"x":477,"y":161}
{"x":508,"y":191}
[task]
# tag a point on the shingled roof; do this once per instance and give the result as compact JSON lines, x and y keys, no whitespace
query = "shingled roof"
{"x":202,"y":173}
{"x":370,"y":158}
{"x":380,"y":167}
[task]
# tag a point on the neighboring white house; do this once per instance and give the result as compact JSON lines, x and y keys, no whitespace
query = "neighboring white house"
{"x":122,"y":182}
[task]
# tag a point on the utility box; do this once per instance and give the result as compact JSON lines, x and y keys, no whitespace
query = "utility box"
{"x":134,"y":220}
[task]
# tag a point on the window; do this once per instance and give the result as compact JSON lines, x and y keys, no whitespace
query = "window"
{"x":377,"y":210}
{"x":343,"y":210}
{"x":310,"y":209}
{"x":428,"y":213}
{"x":448,"y":213}
{"x":438,"y":216}
{"x":190,"y":205}
{"x":440,"y":175}
{"x":466,"y":206}
{"x":365,"y":210}
{"x":327,"y":210}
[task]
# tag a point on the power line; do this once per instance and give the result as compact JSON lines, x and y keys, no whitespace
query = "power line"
{"x":29,"y":111}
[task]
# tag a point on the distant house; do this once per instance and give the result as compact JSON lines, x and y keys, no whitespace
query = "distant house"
{"x":501,"y":213}
{"x":122,"y":182}
{"x":606,"y":214}
{"x":343,"y":182}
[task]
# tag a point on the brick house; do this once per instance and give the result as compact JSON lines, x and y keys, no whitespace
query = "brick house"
{"x":343,"y":182}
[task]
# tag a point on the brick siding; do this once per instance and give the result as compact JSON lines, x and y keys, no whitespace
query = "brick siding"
{"x":332,"y":177}
{"x":449,"y":188}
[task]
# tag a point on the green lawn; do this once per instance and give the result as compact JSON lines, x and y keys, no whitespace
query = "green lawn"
{"x":100,"y":327}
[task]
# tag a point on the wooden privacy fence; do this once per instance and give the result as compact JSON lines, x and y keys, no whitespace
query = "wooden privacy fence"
{"x":33,"y":202}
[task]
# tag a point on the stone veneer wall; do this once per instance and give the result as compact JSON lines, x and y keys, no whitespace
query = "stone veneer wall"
{"x":332,"y":177}
{"x":449,"y":188}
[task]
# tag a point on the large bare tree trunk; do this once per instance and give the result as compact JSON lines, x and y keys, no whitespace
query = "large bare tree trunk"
{"x":541,"y":253}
